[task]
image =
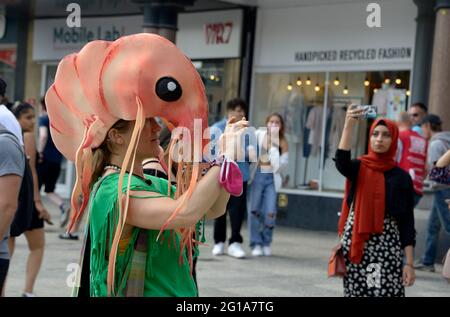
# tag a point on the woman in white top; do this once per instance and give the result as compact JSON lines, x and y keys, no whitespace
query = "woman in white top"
{"x":266,"y":181}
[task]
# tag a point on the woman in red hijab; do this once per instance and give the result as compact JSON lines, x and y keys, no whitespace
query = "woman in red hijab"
{"x":376,"y":226}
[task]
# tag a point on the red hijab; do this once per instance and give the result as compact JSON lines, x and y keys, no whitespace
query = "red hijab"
{"x":369,"y":198}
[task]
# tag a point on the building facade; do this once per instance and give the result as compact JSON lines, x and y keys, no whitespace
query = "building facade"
{"x":310,"y":62}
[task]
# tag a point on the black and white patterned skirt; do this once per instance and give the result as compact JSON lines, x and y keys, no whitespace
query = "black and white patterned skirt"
{"x":380,"y":272}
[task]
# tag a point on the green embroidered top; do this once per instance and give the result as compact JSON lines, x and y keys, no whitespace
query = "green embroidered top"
{"x":164,"y":274}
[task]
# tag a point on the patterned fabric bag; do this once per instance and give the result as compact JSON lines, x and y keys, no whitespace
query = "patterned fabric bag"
{"x":440,"y":175}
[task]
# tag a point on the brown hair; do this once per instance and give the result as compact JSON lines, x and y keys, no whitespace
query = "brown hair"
{"x":276,"y":114}
{"x":102,"y":154}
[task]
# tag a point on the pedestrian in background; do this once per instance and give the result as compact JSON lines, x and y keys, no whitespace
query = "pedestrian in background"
{"x":417,"y":112}
{"x":237,"y":206}
{"x":444,"y":161}
{"x":34,"y":234}
{"x":439,"y":144}
{"x":412,"y":154}
{"x":272,"y":160}
{"x":49,"y":167}
{"x":12,"y":167}
{"x":376,"y":226}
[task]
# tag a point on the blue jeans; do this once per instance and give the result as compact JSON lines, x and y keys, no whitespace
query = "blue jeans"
{"x":263,"y":209}
{"x":440,"y":215}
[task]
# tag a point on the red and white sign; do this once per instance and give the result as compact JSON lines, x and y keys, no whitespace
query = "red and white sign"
{"x":216,"y":34}
{"x":8,"y":56}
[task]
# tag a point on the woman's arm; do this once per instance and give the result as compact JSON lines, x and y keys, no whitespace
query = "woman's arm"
{"x":409,"y":253}
{"x":444,"y":160}
{"x":43,"y":137}
{"x":351,"y":119}
{"x":409,"y":275}
{"x":219,"y":207}
{"x":284,"y":146}
{"x":152,"y":213}
{"x":30,"y":150}
{"x":283,"y":159}
{"x":405,"y":223}
{"x":344,"y":164}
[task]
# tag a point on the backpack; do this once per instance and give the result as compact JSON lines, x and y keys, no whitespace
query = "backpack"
{"x":25,"y":208}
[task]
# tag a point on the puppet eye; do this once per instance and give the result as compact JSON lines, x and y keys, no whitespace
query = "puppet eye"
{"x":168,"y":89}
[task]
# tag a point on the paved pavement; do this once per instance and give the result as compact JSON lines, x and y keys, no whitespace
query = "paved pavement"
{"x":297,"y":268}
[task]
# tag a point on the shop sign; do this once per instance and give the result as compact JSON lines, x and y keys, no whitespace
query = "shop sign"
{"x":57,"y":8}
{"x":316,"y":36}
{"x":54,"y":39}
{"x":349,"y":55}
{"x":210,"y":34}
{"x":8,"y":56}
{"x":218,"y":33}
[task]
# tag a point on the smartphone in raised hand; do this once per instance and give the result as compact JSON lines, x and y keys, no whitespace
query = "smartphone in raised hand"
{"x":356,"y":107}
{"x":368,"y":111}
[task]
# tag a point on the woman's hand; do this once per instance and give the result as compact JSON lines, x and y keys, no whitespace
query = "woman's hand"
{"x":43,"y":213}
{"x":409,"y":275}
{"x":230,"y":140}
{"x":353,"y":115}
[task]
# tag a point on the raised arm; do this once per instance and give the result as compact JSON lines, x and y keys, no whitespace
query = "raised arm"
{"x":351,"y":119}
{"x":208,"y":195}
{"x":219,"y":207}
{"x":343,"y":161}
{"x":152,"y":213}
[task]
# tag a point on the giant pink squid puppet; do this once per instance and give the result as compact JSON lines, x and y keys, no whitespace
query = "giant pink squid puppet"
{"x":133,"y":78}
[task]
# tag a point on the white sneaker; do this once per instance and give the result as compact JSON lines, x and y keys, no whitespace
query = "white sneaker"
{"x":219,"y":249}
{"x":235,"y":250}
{"x":257,"y":251}
{"x":267,"y":251}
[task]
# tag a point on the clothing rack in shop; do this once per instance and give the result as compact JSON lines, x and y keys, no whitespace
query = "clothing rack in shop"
{"x":346,"y":101}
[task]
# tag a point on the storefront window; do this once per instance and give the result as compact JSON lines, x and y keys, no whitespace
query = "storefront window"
{"x":299,"y":98}
{"x":221,"y":79}
{"x":314,"y":117}
{"x":8,"y":70}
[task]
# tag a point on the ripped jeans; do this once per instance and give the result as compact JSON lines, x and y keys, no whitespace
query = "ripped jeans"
{"x":263,"y":209}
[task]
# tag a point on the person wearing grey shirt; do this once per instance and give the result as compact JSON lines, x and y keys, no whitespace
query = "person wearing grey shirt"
{"x":439,"y":144}
{"x":12,"y":166}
